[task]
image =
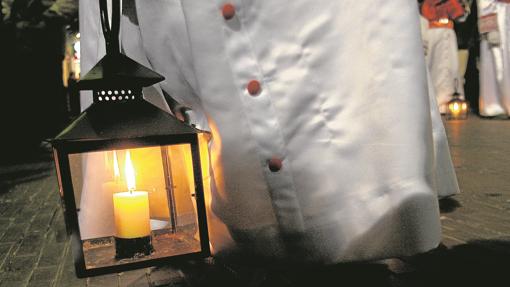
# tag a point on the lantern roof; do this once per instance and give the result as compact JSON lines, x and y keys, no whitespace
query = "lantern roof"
{"x":116,"y":69}
{"x":123,"y":121}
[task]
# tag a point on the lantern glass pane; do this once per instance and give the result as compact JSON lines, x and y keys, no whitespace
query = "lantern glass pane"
{"x":457,"y":109}
{"x":135,"y":205}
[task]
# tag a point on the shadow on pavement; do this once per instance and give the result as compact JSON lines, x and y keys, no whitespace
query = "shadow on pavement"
{"x":449,"y":204}
{"x":24,"y":164}
{"x":477,"y":263}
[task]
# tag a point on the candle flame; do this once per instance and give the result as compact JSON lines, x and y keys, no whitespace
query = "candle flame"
{"x":116,"y":171}
{"x":455,"y":108}
{"x":130,"y":173}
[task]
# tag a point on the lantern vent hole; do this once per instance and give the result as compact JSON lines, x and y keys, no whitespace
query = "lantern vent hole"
{"x":117,"y":95}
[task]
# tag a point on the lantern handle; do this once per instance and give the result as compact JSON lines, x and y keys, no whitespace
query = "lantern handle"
{"x":110,"y":33}
{"x":456,"y":87}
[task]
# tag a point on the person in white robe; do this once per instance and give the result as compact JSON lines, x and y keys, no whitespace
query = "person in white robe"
{"x":322,"y":144}
{"x":441,"y":49}
{"x":494,"y":25}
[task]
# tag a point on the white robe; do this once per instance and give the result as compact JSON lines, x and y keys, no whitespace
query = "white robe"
{"x":447,"y":184}
{"x":495,"y":62}
{"x":343,"y":103}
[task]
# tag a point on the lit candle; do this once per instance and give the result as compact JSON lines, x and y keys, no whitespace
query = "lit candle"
{"x":131,"y":214}
{"x":132,"y":218}
{"x":455,"y":108}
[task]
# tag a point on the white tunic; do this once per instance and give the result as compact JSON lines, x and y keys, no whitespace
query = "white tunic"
{"x":495,"y":61}
{"x":343,"y":104}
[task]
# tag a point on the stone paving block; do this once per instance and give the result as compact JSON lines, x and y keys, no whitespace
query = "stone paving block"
{"x":58,"y":226}
{"x":14,"y":233}
{"x":4,"y":224}
{"x":103,"y":280}
{"x":27,"y":213}
{"x":18,"y":268}
{"x":133,"y":278}
{"x":148,"y":277}
{"x":43,"y":275}
{"x":5,"y":253}
{"x":12,"y":283}
{"x":15,"y":194}
{"x":9,"y":209}
{"x":52,"y":252}
{"x":451,"y":241}
{"x":67,"y":276}
{"x":69,"y":279}
{"x":34,"y":193}
{"x":166,"y":275}
{"x":52,"y":203}
{"x":470,"y":227}
{"x":41,"y":284}
{"x":43,"y":220}
{"x":32,"y":244}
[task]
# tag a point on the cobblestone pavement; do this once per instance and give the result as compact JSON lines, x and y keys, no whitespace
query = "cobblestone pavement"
{"x":35,"y":251}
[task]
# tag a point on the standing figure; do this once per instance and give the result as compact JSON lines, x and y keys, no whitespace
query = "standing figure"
{"x":441,"y":48}
{"x":469,"y":53}
{"x":494,"y":24}
{"x":322,"y":141}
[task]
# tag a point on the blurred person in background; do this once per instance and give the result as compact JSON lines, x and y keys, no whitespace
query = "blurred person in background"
{"x":440,"y":42}
{"x":32,"y":88}
{"x":494,"y":24}
{"x":469,"y":52}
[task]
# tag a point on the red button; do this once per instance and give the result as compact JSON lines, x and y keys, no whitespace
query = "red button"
{"x":275,"y":164}
{"x":253,"y":88}
{"x":228,"y":11}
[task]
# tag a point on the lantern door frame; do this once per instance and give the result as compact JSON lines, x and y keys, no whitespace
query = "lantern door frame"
{"x":63,"y":148}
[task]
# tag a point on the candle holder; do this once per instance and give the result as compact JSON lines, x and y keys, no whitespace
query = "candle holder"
{"x":133,"y":247}
{"x":129,"y":173}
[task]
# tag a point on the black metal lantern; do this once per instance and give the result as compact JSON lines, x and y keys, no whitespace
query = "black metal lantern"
{"x":129,"y":173}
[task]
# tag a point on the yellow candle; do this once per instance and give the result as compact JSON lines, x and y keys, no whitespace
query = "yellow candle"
{"x":131,"y":208}
{"x":106,"y":205}
{"x":131,"y":211}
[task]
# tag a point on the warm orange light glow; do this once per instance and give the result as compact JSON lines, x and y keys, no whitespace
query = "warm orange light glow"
{"x":116,"y":171}
{"x":131,"y":208}
{"x":130,"y":172}
{"x":455,"y":107}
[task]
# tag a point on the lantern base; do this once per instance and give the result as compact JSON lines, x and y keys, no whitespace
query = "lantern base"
{"x":133,"y":247}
